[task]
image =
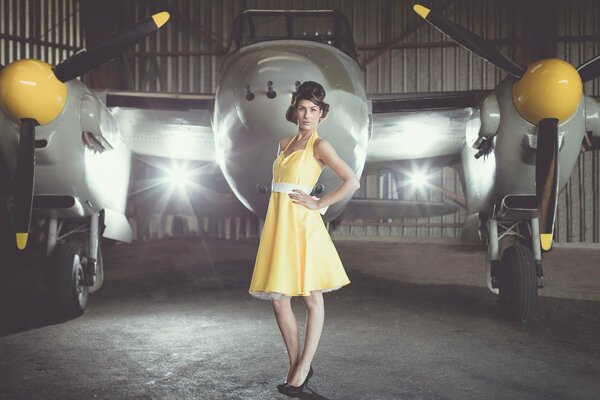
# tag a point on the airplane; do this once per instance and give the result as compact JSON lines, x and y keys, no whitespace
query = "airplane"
{"x":521,"y":144}
{"x":516,"y":145}
{"x":63,"y":158}
{"x":273,"y":51}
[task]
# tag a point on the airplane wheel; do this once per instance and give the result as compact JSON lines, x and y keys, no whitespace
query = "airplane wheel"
{"x":518,"y":283}
{"x":70,"y":296}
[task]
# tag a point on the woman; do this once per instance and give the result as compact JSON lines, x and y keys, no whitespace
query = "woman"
{"x":296,"y":256}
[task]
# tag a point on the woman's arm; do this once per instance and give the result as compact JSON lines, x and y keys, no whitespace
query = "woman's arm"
{"x":325,"y":153}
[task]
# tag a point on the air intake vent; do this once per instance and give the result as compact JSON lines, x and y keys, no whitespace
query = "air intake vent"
{"x":53,"y":201}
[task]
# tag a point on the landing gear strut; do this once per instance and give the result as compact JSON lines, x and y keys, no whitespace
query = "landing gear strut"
{"x":514,"y":262}
{"x":76,"y":265}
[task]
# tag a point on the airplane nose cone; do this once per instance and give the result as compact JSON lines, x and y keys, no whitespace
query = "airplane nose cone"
{"x":29,"y":89}
{"x":550,"y":88}
{"x":265,"y":88}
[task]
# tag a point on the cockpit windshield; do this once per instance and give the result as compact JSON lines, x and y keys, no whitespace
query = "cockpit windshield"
{"x":324,"y":26}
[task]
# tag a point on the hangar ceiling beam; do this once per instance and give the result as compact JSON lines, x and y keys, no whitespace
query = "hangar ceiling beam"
{"x":38,"y":42}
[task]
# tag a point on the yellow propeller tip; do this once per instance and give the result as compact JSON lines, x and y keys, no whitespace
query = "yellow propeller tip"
{"x":21,"y":240}
{"x":421,"y":10}
{"x":546,"y":241}
{"x":160,"y":18}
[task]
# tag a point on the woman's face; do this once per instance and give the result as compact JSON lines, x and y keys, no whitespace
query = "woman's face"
{"x":308,"y":115}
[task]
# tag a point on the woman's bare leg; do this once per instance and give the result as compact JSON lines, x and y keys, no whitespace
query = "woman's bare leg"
{"x":314,"y":325}
{"x":286,"y":320}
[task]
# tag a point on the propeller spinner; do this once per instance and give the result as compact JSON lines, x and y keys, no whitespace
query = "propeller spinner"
{"x":546,"y":94}
{"x":32,"y":93}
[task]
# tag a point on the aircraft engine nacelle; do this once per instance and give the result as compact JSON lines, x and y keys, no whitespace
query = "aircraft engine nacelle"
{"x":96,"y":176}
{"x":509,"y":165}
{"x":592,"y":123}
{"x":254,"y":92}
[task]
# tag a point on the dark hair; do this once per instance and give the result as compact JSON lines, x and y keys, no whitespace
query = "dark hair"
{"x":311,"y":91}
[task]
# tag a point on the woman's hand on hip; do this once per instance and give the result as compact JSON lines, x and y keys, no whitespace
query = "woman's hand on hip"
{"x":306,"y":200}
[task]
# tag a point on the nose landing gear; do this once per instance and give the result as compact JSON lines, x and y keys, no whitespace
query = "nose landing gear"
{"x":514,"y":262}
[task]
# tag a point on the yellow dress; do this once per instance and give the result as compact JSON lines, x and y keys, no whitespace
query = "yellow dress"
{"x":296,"y":254}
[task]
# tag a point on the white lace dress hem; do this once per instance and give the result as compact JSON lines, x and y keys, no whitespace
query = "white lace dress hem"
{"x":279,"y":296}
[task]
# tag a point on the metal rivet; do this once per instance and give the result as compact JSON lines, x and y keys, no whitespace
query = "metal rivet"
{"x":270,"y":92}
{"x":261,"y":188}
{"x":249,"y":94}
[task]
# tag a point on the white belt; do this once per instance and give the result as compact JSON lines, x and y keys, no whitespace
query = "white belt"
{"x":285,"y":187}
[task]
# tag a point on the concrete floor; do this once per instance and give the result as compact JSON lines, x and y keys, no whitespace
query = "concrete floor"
{"x":174,"y":321}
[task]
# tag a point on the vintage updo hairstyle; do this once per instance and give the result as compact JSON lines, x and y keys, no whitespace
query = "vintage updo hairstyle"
{"x":311,"y":91}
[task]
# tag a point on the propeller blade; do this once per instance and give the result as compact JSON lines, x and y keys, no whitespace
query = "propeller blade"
{"x":589,"y":69}
{"x":24,"y":180}
{"x":109,"y":48}
{"x":546,"y":178}
{"x":470,"y":41}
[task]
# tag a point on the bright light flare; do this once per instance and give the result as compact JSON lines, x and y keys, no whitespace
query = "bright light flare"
{"x":419,"y":182}
{"x":176,"y":184}
{"x":180,"y":176}
{"x":418,"y":179}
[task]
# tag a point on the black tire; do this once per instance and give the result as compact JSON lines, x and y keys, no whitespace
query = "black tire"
{"x":518,"y":284}
{"x":70,"y":297}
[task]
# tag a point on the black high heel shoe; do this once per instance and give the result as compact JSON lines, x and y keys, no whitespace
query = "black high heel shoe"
{"x":291,"y":390}
{"x":281,"y":385}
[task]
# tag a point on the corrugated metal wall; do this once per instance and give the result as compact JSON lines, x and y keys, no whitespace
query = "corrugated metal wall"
{"x":192,"y":45}
{"x":400,"y":54}
{"x":579,"y":202}
{"x":48,"y":30}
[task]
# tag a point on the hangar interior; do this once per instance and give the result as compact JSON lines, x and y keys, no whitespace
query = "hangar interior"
{"x":399,"y":53}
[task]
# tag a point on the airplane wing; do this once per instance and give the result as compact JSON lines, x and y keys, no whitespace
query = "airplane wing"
{"x":419,"y":125}
{"x":170,"y":126}
{"x":414,"y":126}
{"x":375,"y":209}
